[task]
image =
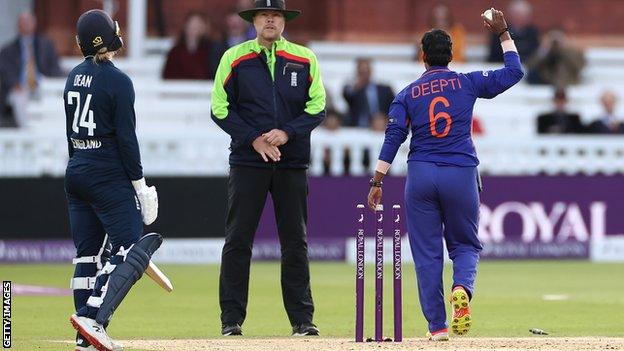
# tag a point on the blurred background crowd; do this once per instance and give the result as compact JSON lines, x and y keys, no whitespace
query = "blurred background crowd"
{"x":368,"y":50}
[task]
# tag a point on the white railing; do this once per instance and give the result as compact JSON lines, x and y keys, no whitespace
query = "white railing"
{"x":186,"y":103}
{"x":178,"y":137}
{"x":204,"y":152}
{"x":499,"y":156}
{"x":158,"y":103}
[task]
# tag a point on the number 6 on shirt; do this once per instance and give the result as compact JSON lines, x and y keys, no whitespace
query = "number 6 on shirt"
{"x":434,"y":117}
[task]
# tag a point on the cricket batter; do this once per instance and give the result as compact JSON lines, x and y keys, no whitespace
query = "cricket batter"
{"x":441,"y":192}
{"x":107,"y":196}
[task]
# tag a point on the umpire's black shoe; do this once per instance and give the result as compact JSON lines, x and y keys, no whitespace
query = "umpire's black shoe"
{"x":305,"y":329}
{"x":231,"y":329}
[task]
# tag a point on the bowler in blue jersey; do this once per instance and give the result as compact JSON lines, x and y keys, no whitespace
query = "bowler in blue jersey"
{"x":442,"y":190}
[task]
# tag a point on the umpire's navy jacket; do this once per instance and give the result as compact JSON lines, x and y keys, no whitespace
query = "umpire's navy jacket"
{"x":257,"y":89}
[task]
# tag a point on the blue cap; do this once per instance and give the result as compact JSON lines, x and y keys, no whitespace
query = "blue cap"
{"x":98,"y":33}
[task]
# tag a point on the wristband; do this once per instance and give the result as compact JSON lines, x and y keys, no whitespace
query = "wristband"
{"x":503,"y":32}
{"x":372,"y":182}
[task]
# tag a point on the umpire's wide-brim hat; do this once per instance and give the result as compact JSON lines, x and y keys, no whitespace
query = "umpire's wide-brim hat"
{"x":274,"y":5}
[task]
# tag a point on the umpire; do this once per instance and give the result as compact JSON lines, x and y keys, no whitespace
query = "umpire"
{"x":268,"y":96}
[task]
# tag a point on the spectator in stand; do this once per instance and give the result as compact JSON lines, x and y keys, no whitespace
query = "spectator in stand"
{"x":523,"y":32}
{"x":609,"y":122}
{"x":441,"y":17}
{"x":242,"y":5}
{"x":195,"y":55}
{"x":365,"y":97}
{"x":379,"y":122}
{"x":332,"y":123}
{"x":559,"y":121}
{"x":556,"y":62}
{"x":329,"y":103}
{"x":236,"y":30}
{"x":23,"y":62}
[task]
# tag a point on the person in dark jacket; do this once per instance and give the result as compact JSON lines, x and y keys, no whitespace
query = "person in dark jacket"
{"x":268,"y":96}
{"x":560,"y":120}
{"x":22,"y":64}
{"x":609,"y":122}
{"x":195,"y":55}
{"x":365,"y":97}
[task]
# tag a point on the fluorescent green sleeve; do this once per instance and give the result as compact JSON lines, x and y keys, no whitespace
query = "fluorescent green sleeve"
{"x":223,"y":114}
{"x":316,"y":104}
{"x":219,"y":101}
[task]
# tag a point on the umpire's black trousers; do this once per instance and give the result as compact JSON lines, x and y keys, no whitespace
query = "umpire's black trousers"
{"x":247,"y":192}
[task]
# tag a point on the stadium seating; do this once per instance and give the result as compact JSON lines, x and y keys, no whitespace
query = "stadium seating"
{"x":179,"y":138}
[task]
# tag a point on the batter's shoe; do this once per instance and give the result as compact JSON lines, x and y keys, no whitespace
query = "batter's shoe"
{"x":93,"y":332}
{"x":231,"y":329}
{"x":82,"y":344}
{"x":439,"y":335}
{"x":462,"y":321}
{"x":305,"y":329}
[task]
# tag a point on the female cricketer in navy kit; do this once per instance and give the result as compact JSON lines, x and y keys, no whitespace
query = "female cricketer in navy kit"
{"x":106,"y":193}
{"x":441,"y":192}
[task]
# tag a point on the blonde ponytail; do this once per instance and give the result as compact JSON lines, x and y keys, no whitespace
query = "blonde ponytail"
{"x":103,"y":57}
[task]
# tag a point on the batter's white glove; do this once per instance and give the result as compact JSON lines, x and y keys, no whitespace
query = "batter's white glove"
{"x":148,"y":198}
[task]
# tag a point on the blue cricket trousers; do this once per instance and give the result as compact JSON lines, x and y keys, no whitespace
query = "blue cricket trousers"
{"x":101,"y":204}
{"x":442,"y":202}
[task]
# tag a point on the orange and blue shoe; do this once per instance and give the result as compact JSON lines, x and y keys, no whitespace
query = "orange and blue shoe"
{"x":439,"y":335}
{"x":462,"y":320}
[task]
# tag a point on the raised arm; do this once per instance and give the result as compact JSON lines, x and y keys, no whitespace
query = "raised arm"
{"x":488,"y":84}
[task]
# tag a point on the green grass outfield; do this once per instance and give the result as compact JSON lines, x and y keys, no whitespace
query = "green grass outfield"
{"x":508,"y":302}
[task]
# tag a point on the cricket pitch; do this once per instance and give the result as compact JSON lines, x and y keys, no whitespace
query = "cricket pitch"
{"x":321,"y":344}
